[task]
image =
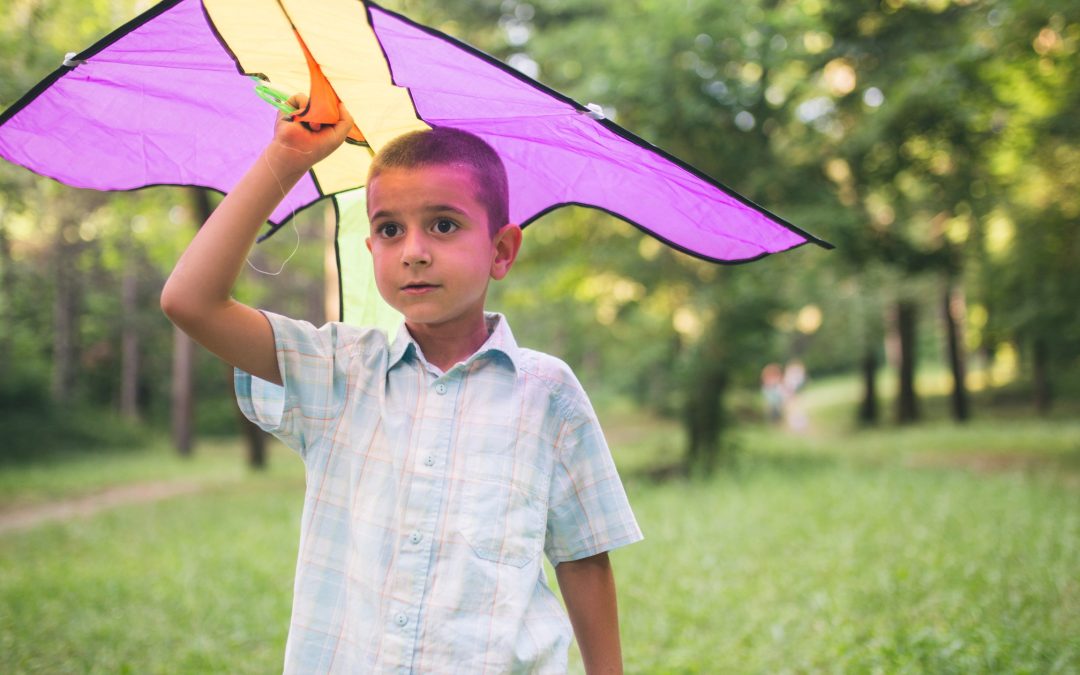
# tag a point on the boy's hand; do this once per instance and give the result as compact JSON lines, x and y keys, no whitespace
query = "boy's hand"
{"x":299,"y":146}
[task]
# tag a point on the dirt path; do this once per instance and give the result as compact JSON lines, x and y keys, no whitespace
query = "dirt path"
{"x":25,"y":517}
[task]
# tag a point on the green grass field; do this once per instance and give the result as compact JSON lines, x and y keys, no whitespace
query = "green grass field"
{"x":930,"y":549}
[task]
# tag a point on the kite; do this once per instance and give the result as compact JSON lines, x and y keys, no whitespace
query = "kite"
{"x":169,"y":99}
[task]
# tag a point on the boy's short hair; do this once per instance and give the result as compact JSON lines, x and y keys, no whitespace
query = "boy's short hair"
{"x":448,"y":147}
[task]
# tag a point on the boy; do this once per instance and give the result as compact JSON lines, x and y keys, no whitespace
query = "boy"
{"x":441,"y":462}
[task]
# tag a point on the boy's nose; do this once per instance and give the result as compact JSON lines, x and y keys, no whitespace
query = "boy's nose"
{"x":415,"y":251}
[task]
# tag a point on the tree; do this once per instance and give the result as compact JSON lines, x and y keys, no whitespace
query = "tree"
{"x":1031,"y":239}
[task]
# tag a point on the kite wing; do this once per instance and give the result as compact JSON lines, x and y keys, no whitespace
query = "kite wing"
{"x":167,"y":100}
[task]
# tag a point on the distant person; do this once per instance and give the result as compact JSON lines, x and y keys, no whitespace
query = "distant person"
{"x":794,"y":379}
{"x":772,"y":390}
{"x":443,"y":463}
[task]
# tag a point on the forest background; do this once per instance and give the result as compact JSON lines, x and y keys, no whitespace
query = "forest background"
{"x":935,"y":143}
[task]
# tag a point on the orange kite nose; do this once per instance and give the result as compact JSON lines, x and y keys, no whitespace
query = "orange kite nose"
{"x":322,"y":107}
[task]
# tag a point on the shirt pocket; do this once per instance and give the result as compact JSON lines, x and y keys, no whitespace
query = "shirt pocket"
{"x":503,"y":510}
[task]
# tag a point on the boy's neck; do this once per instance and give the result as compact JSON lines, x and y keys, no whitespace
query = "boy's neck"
{"x":447,"y":344}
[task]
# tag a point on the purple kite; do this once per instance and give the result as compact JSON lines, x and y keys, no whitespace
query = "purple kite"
{"x":167,"y":99}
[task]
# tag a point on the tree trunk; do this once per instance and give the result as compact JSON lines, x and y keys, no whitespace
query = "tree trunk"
{"x":953,"y":309}
{"x":907,"y":409}
{"x":183,"y":393}
{"x":868,"y":409}
{"x":66,"y":302}
{"x":1043,"y":390}
{"x":68,"y":208}
{"x":704,"y":420}
{"x":7,"y":296}
{"x":129,"y":341}
{"x":254,"y":439}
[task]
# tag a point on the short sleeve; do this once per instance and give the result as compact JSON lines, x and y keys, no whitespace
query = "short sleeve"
{"x":302,"y":409}
{"x":588,"y":512}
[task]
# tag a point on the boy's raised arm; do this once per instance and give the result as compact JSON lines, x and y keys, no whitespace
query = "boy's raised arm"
{"x":198,"y":294}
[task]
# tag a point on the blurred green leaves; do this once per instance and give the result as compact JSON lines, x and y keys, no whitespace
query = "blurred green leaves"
{"x":935,"y":142}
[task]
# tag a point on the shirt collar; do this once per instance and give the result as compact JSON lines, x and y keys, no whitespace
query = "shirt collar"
{"x":500,"y":341}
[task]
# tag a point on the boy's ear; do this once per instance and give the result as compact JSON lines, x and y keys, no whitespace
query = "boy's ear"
{"x":507,"y":243}
{"x":367,"y":242}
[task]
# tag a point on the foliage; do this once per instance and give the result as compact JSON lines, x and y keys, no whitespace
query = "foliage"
{"x":1032,"y":239}
{"x":934,"y":141}
{"x":32,"y":434}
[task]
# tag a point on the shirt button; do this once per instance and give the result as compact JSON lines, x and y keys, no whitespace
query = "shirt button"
{"x":429,"y":460}
{"x":440,"y":388}
{"x":415,"y":537}
{"x":401,"y":619}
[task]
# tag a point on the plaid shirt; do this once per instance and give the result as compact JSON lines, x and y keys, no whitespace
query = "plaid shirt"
{"x":430,"y":497}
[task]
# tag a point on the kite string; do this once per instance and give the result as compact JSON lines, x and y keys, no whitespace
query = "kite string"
{"x":292,"y":221}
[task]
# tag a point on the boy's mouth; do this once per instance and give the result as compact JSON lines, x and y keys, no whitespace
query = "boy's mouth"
{"x":418,"y":287}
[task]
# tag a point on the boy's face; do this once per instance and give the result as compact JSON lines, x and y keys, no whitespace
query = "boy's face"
{"x":432,"y":248}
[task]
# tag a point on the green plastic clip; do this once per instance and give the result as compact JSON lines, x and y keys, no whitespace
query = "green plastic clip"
{"x":276,"y":98}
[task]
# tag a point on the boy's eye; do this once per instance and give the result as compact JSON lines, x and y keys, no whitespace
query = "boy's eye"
{"x":444,"y":226}
{"x":389,"y":230}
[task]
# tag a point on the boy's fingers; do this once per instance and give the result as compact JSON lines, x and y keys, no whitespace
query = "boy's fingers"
{"x":345,"y":122}
{"x":345,"y":116}
{"x":339,"y":130}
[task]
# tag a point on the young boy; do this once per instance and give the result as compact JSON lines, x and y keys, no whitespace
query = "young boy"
{"x":441,"y":462}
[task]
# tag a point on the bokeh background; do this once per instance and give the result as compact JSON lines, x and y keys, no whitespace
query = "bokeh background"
{"x":864,"y":460}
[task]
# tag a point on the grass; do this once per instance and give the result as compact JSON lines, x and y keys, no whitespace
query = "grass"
{"x":832,"y":568}
{"x":191,"y":585}
{"x":842,"y":550}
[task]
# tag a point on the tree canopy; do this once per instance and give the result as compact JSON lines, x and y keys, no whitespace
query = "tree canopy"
{"x":935,"y":142}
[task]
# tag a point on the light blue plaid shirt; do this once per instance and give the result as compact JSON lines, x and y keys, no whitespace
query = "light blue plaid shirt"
{"x":430,"y":497}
